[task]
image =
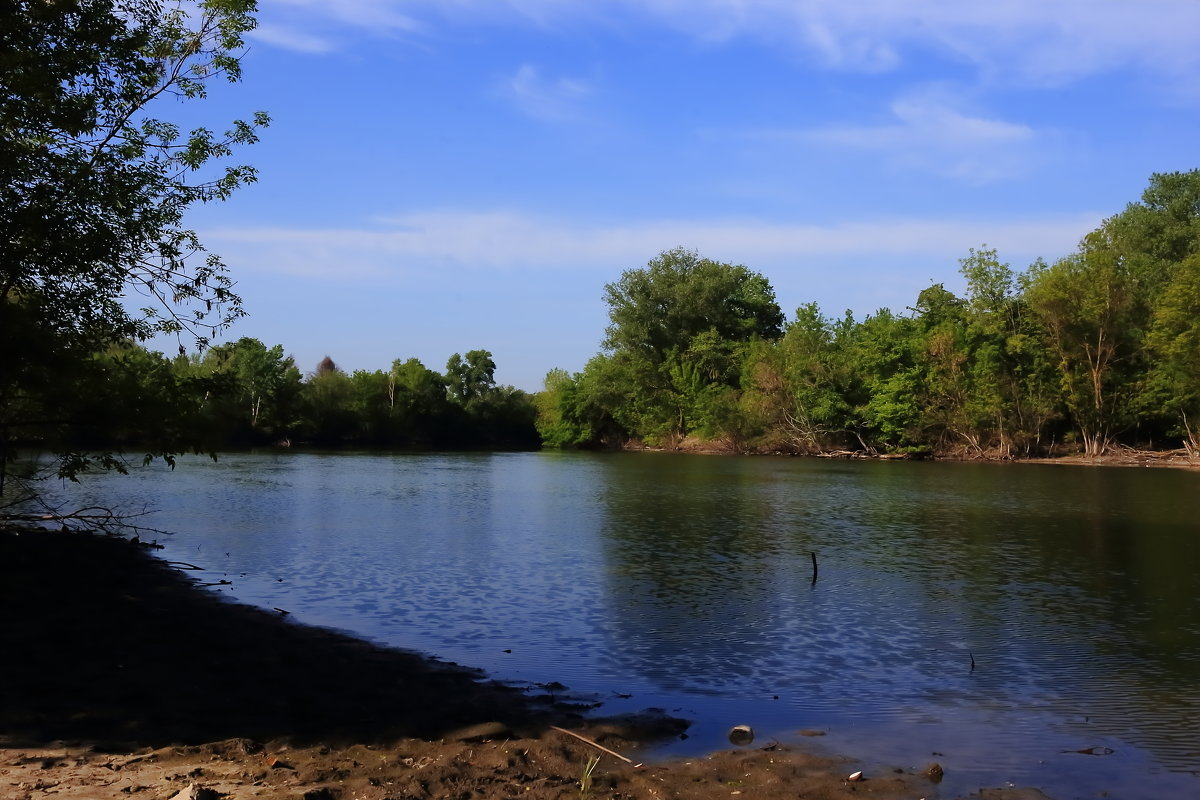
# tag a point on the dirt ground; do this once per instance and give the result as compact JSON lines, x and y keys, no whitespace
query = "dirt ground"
{"x":120,"y":678}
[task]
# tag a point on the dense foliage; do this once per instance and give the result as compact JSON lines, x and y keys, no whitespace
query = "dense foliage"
{"x":1099,"y":348}
{"x":93,"y":191}
{"x":245,"y":394}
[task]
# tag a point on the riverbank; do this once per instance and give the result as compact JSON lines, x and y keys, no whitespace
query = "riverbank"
{"x":1114,"y":457}
{"x":121,"y":677}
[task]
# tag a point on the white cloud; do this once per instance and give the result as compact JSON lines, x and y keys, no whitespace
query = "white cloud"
{"x":928,"y":132}
{"x":854,"y":51}
{"x":292,"y":39}
{"x":923,"y":125}
{"x":552,"y":100}
{"x":423,"y":243}
{"x":1030,"y":40}
{"x":381,"y":15}
{"x":1024,"y":40}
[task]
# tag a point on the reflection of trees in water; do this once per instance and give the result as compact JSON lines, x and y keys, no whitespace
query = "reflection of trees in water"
{"x":702,"y":572}
{"x":1073,"y":589}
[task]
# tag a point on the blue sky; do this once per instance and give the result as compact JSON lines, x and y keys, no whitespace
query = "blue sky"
{"x":449,"y":175}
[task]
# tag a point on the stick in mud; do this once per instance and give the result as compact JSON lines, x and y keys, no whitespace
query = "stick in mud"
{"x":594,"y":744}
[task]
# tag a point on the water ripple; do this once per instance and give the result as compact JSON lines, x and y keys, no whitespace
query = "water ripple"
{"x":1008,"y":617}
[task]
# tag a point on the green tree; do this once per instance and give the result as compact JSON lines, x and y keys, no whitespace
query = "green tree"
{"x":1135,"y":265}
{"x":261,"y":390}
{"x":421,"y":407}
{"x":1173,"y":382}
{"x":886,"y":413}
{"x":946,"y":392}
{"x":1088,"y":306}
{"x":1158,"y":240}
{"x":371,"y":401}
{"x":326,"y":400}
{"x":801,"y":390}
{"x":93,"y":188}
{"x":552,"y":404}
{"x":135,"y":397}
{"x":678,"y":296}
{"x":504,"y":418}
{"x":472,"y":377}
{"x":1013,"y":390}
{"x":677,"y":333}
{"x":487,"y":415}
{"x":1157,"y":232}
{"x":574,"y":410}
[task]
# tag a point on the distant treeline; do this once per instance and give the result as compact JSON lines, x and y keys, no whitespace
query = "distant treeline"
{"x":1099,"y":348}
{"x":245,"y":394}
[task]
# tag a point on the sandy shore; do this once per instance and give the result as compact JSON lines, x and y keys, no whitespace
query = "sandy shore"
{"x":120,"y":677}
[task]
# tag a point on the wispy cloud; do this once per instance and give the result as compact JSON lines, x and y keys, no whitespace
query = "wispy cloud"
{"x":1025,"y":40}
{"x":419,"y":243}
{"x":292,"y":39}
{"x":929,"y":131}
{"x":323,"y":26}
{"x":548,"y":99}
{"x":376,"y":14}
{"x":1016,"y":40}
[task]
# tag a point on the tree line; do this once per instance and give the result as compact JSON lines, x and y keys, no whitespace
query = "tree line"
{"x":245,"y":394}
{"x":1098,"y":349}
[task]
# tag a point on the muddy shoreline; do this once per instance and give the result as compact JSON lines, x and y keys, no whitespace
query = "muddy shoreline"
{"x":122,"y":677}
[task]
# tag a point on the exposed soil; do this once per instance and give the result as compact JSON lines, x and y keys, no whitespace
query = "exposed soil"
{"x":119,"y":677}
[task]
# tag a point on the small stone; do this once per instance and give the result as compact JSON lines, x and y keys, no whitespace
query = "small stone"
{"x":934,"y":772}
{"x":811,"y":732}
{"x":855,"y":777}
{"x":741,"y":735}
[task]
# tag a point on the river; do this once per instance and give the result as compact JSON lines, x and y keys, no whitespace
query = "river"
{"x":1025,"y":624}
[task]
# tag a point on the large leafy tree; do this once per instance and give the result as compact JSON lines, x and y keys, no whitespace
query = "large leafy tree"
{"x":677,"y":340}
{"x":1173,"y":382}
{"x":326,"y":401}
{"x":803,"y":388}
{"x":679,"y":296}
{"x":1161,"y":236}
{"x":418,"y":394}
{"x":258,"y":388}
{"x":884,"y":350}
{"x":1117,"y":312}
{"x":94,"y":187}
{"x":471,"y":378}
{"x":1088,"y":305}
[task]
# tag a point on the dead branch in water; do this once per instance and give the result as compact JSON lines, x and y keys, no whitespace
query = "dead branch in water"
{"x":98,"y":519}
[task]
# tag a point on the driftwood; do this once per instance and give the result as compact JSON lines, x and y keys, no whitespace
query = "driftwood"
{"x":99,"y":519}
{"x":596,"y":745}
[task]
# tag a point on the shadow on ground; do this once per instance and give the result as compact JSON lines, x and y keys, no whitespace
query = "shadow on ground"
{"x":107,"y":645}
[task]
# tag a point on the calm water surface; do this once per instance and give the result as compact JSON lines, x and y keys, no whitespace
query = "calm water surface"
{"x":996,"y":619}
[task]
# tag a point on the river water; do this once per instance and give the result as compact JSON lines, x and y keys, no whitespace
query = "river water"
{"x":1025,"y":624}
